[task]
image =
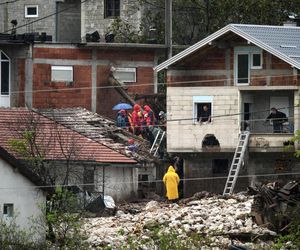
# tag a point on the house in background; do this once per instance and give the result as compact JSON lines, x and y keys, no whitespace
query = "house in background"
{"x":239,"y":73}
{"x":49,"y":75}
{"x":68,"y":20}
{"x":72,"y":157}
{"x":20,"y":197}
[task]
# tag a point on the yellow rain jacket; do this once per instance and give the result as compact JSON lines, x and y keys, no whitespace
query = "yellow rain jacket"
{"x":171,"y":180}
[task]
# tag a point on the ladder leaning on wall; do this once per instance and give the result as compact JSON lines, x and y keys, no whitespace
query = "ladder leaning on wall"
{"x":237,"y":161}
{"x":157,"y":142}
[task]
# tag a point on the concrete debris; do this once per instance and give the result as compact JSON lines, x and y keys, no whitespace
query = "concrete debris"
{"x":223,"y":220}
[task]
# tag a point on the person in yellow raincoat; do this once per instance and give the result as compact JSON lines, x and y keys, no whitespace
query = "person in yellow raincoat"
{"x":171,"y":181}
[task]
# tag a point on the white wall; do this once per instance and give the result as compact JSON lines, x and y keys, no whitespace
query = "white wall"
{"x":185,"y":135}
{"x":120,"y":182}
{"x":18,"y":190}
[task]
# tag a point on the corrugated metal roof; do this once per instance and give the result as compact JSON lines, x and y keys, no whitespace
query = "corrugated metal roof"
{"x":56,"y":142}
{"x":281,"y":41}
{"x":284,"y":39}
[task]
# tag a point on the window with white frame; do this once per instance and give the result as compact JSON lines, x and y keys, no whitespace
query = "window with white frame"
{"x":62,"y":73}
{"x":245,"y":59}
{"x":4,"y":74}
{"x":202,"y":109}
{"x":31,"y":11}
{"x":8,"y":210}
{"x":125,"y":75}
{"x":256,"y":60}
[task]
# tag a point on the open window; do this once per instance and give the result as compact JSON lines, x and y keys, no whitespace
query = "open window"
{"x":202,"y":106}
{"x":111,"y":8}
{"x":31,"y":11}
{"x":8,"y":210}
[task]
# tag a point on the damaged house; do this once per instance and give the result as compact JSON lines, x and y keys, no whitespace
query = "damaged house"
{"x":232,"y":79}
{"x":60,"y":155}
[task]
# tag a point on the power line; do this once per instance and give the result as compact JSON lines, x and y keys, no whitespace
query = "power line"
{"x":155,"y":181}
{"x":42,"y":18}
{"x":8,"y":2}
{"x":145,"y":84}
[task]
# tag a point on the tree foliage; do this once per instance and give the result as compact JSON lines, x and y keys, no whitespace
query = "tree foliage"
{"x":195,"y":19}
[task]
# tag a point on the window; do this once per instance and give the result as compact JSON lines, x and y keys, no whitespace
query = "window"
{"x":202,"y":106}
{"x":246,"y":58}
{"x":242,"y":69}
{"x":220,"y":166}
{"x":4,"y":74}
{"x":8,"y":210}
{"x":111,"y":8}
{"x":62,"y":73}
{"x":31,"y":11}
{"x":256,"y":60}
{"x":125,"y":75}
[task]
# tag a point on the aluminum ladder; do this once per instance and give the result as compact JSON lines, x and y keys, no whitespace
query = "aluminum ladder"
{"x":237,"y":162}
{"x":157,"y":142}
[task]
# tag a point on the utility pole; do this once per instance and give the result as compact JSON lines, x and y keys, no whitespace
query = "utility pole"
{"x":5,"y":18}
{"x":168,"y":26}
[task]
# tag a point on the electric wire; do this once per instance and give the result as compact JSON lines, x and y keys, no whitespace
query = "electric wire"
{"x":9,"y":2}
{"x":151,"y":181}
{"x":169,"y":84}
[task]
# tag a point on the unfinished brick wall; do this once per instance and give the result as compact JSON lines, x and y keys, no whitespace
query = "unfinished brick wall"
{"x":62,"y":95}
{"x":48,"y":94}
{"x":208,"y":67}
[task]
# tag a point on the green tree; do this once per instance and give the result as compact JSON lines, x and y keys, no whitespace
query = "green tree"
{"x":195,"y":19}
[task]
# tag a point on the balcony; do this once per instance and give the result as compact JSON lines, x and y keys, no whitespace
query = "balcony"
{"x":267,"y":135}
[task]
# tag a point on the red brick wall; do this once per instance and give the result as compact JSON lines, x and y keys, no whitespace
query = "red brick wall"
{"x":47,"y":94}
{"x":62,"y":53}
{"x":214,"y":59}
{"x":59,"y":95}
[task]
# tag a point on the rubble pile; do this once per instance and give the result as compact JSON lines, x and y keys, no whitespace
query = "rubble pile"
{"x":223,"y":220}
{"x":274,"y":203}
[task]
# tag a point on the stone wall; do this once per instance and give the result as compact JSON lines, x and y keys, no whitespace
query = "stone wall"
{"x":17,"y":11}
{"x":92,"y":14}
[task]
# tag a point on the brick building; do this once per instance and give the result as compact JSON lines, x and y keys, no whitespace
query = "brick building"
{"x":64,"y":75}
{"x":239,"y":73}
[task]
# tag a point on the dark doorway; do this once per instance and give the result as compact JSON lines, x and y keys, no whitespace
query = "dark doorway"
{"x":180,"y":171}
{"x":220,"y":166}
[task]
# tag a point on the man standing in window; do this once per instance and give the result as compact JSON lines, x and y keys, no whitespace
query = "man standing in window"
{"x":205,"y":115}
{"x":277,"y":118}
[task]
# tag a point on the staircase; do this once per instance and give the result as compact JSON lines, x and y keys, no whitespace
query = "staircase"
{"x":157,"y":142}
{"x":237,"y":162}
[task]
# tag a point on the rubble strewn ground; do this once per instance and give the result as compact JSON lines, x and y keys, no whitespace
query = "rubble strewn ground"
{"x":213,"y":221}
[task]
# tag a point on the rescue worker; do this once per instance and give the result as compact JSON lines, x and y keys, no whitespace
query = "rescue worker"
{"x":137,"y":119}
{"x":150,"y":115}
{"x":171,"y":181}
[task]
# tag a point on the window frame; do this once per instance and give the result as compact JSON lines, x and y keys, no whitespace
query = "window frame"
{"x":9,"y":73}
{"x":250,"y":51}
{"x":11,"y":214}
{"x":31,"y":6}
{"x":114,"y":9}
{"x":62,"y":68}
{"x":127,"y":69}
{"x":261,"y":60}
{"x":199,"y":100}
